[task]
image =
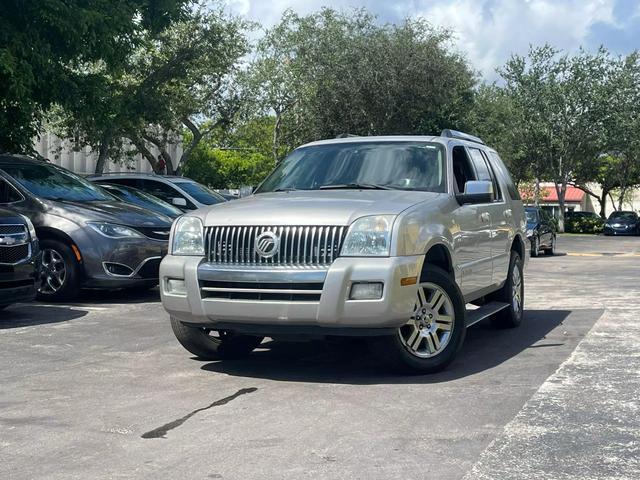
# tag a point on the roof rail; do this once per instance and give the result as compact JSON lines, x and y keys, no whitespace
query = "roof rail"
{"x":461,"y":136}
{"x":347,"y":135}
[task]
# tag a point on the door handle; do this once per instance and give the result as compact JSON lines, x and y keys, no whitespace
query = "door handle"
{"x":508,"y":213}
{"x":485,"y":217}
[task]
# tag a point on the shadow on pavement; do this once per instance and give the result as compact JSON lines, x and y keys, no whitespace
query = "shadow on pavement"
{"x":26,"y":315}
{"x":349,"y":361}
{"x":129,"y":295}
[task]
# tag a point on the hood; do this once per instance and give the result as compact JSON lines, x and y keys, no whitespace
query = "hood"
{"x":8,"y":216}
{"x":313,"y":207}
{"x":622,"y":221}
{"x":109,"y":211}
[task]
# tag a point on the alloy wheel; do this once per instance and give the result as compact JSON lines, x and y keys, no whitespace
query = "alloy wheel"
{"x":516,"y":290}
{"x":54,"y":272}
{"x":429,"y":330}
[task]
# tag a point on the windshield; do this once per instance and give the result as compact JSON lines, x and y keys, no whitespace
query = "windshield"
{"x":201,"y":193}
{"x":623,"y":216}
{"x":55,"y":183}
{"x":142,"y":199}
{"x":394,"y":165}
{"x":532,"y":216}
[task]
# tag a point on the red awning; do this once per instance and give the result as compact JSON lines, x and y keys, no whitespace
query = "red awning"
{"x":549,"y":195}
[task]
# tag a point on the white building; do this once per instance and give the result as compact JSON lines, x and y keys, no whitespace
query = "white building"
{"x":61,"y":152}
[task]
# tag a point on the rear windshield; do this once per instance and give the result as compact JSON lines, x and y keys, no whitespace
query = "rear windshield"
{"x":201,"y":193}
{"x":143,"y":199}
{"x":55,"y":183}
{"x":394,"y":165}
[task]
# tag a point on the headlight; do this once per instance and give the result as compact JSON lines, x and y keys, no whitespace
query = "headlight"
{"x":369,"y":237}
{"x":188,"y":238}
{"x":113,"y":230}
{"x":32,"y":229}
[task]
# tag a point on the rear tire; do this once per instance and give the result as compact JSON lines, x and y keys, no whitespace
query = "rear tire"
{"x":60,"y":272}
{"x":512,"y":293}
{"x":205,"y":345}
{"x":433,"y":336}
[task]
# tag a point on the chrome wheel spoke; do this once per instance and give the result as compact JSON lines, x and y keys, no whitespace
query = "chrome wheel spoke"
{"x":54,"y":271}
{"x":429,"y":330}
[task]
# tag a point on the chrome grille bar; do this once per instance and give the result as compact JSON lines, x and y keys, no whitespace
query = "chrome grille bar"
{"x":298,"y":245}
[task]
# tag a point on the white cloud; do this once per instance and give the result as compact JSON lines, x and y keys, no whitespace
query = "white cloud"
{"x":490,"y":31}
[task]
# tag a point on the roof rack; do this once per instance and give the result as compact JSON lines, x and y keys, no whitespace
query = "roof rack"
{"x":132,"y":172}
{"x":461,"y":136}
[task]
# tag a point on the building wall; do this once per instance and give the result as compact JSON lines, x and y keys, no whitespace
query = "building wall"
{"x":60,"y":152}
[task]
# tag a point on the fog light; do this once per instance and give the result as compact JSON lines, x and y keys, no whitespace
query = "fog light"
{"x":176,"y":287}
{"x":366,"y":291}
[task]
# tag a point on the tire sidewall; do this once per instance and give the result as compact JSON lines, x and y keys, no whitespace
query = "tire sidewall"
{"x":70,"y":288}
{"x":425,"y":365}
{"x":515,"y":318}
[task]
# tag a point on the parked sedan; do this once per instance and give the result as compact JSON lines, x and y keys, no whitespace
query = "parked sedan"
{"x":142,"y":199}
{"x":88,"y":238}
{"x":180,"y":192}
{"x":622,"y":223}
{"x":541,"y":231}
{"x":19,"y":255}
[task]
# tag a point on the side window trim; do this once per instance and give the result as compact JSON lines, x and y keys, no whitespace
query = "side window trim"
{"x":494,"y":178}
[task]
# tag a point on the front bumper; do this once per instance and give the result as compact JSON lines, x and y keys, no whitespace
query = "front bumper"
{"x":18,"y":282}
{"x":331,"y":312}
{"x":119,"y":263}
{"x":609,"y":230}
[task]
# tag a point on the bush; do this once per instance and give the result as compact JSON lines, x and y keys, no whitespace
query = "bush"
{"x":579,"y":224}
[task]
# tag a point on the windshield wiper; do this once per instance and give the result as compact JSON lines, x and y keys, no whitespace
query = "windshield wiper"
{"x":355,"y":186}
{"x":286,"y":189}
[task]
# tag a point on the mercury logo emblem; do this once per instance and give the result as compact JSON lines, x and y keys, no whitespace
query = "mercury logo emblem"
{"x":267,"y":244}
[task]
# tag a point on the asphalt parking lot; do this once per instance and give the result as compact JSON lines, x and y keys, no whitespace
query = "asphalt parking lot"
{"x":101,"y":389}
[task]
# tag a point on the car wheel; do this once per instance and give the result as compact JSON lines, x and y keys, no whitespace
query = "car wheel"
{"x":59,"y":273}
{"x":210,"y":344}
{"x":431,"y":338}
{"x":535,"y":246}
{"x":551,"y":249}
{"x":512,"y":293}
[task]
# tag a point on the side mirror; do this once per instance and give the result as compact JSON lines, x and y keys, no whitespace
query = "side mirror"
{"x":179,"y":202}
{"x":476,"y":191}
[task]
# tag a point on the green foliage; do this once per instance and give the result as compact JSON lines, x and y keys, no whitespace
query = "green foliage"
{"x":579,"y":224}
{"x":235,"y":157}
{"x":49,"y":49}
{"x":331,"y":73}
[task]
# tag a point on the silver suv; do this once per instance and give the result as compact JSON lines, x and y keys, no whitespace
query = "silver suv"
{"x":384,"y":237}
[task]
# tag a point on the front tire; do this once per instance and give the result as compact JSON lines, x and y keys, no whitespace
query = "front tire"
{"x":208,"y":344}
{"x":535,"y":246}
{"x":512,"y":293}
{"x":60,"y":272}
{"x":432,"y":337}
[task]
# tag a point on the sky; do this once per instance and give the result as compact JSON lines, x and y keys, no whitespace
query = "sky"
{"x":489,"y":31}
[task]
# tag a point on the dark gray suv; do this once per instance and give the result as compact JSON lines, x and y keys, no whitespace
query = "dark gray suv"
{"x":88,"y":238}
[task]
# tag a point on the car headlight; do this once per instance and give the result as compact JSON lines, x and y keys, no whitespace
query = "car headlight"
{"x":188,"y":238}
{"x":32,"y":229}
{"x":369,"y":237}
{"x":113,"y":230}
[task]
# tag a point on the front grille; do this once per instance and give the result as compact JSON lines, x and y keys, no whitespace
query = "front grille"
{"x":156,"y":233}
{"x":9,"y":229}
{"x":288,"y":292}
{"x":14,"y":254}
{"x":298,"y":245}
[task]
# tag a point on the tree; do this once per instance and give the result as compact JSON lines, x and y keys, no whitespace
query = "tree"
{"x":49,"y":47}
{"x":330,"y":73}
{"x":178,"y":79}
{"x":563,"y":106}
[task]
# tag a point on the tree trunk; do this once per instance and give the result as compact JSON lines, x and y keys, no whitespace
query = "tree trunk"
{"x":536,"y":192}
{"x":561,"y":190}
{"x":623,"y":192}
{"x":603,"y":203}
{"x":276,"y":137}
{"x":103,"y":154}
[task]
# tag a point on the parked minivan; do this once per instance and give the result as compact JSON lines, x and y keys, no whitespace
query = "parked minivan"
{"x":88,"y":238}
